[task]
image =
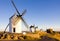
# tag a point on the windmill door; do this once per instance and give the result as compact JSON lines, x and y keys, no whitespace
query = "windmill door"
{"x":14,"y":30}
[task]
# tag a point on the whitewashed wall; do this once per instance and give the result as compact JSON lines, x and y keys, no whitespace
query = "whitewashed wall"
{"x":18,"y":27}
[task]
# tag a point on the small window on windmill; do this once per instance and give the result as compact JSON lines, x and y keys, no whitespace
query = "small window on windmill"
{"x":13,"y":29}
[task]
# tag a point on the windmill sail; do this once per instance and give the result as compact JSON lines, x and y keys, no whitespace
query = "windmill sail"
{"x":19,"y":14}
{"x":15,"y":7}
{"x":6,"y":28}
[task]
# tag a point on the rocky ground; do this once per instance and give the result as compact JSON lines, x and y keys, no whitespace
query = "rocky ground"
{"x":37,"y":36}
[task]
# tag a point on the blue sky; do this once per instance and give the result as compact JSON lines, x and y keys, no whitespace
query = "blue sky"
{"x":43,"y":13}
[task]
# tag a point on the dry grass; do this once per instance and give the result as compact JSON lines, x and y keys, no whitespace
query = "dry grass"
{"x":29,"y":36}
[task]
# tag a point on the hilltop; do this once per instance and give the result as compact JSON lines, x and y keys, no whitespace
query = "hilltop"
{"x":38,"y":35}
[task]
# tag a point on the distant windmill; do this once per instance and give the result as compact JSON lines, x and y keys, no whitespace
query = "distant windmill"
{"x":15,"y":21}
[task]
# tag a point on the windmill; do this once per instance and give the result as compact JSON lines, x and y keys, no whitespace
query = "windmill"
{"x":15,"y":19}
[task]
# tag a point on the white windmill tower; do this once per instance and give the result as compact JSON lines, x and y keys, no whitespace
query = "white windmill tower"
{"x":15,"y":24}
{"x":15,"y":21}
